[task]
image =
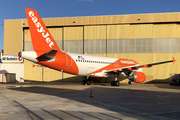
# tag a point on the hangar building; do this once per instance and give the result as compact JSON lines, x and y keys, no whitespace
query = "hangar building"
{"x":145,"y":38}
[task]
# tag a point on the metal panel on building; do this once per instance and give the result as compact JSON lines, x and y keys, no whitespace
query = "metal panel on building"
{"x":165,"y":31}
{"x":27,"y":35}
{"x":118,"y":31}
{"x":57,"y":34}
{"x":73,"y":39}
{"x":13,"y":36}
{"x":32,"y":73}
{"x":94,"y":32}
{"x":95,"y":39}
{"x":51,"y":75}
{"x":141,"y":31}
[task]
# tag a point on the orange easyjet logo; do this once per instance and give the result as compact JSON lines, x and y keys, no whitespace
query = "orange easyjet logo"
{"x":40,"y":29}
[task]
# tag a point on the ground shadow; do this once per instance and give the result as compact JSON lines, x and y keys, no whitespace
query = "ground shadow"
{"x":130,"y":102}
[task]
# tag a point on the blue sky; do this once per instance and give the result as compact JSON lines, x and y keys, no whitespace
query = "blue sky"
{"x":15,"y":9}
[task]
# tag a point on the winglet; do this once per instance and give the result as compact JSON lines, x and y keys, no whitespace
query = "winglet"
{"x":174,"y":60}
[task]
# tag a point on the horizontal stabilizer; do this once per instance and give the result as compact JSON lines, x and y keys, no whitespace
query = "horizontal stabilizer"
{"x":48,"y":56}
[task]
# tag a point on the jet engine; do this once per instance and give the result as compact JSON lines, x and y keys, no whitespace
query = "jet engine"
{"x":137,"y":77}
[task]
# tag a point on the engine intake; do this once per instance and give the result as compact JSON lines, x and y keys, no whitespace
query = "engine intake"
{"x":137,"y":77}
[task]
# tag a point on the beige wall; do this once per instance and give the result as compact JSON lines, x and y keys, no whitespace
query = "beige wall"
{"x":141,"y":31}
{"x":51,"y":75}
{"x":113,"y":19}
{"x":118,"y":31}
{"x":73,"y":33}
{"x":27,"y":35}
{"x":165,"y":31}
{"x":94,"y":32}
{"x":13,"y":36}
{"x":32,"y":73}
{"x":56,"y":33}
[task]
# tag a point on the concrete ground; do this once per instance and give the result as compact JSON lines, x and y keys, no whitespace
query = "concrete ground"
{"x":72,"y":101}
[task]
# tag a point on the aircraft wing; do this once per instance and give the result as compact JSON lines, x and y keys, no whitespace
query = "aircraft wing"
{"x":135,"y":67}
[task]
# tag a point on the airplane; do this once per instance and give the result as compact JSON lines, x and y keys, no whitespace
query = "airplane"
{"x":47,"y":53}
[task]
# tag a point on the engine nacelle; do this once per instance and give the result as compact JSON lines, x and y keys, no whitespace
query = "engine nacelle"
{"x":137,"y":77}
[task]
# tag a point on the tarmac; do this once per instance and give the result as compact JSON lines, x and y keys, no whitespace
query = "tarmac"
{"x":72,"y":101}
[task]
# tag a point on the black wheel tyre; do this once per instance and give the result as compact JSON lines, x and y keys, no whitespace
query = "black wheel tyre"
{"x":83,"y":82}
{"x":129,"y":82}
{"x":88,"y":82}
{"x":112,"y":83}
{"x":117,"y":83}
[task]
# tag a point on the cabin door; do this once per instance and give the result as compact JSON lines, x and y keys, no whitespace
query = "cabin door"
{"x":68,"y":61}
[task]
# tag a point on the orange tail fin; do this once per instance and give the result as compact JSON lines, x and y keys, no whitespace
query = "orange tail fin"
{"x":41,"y":38}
